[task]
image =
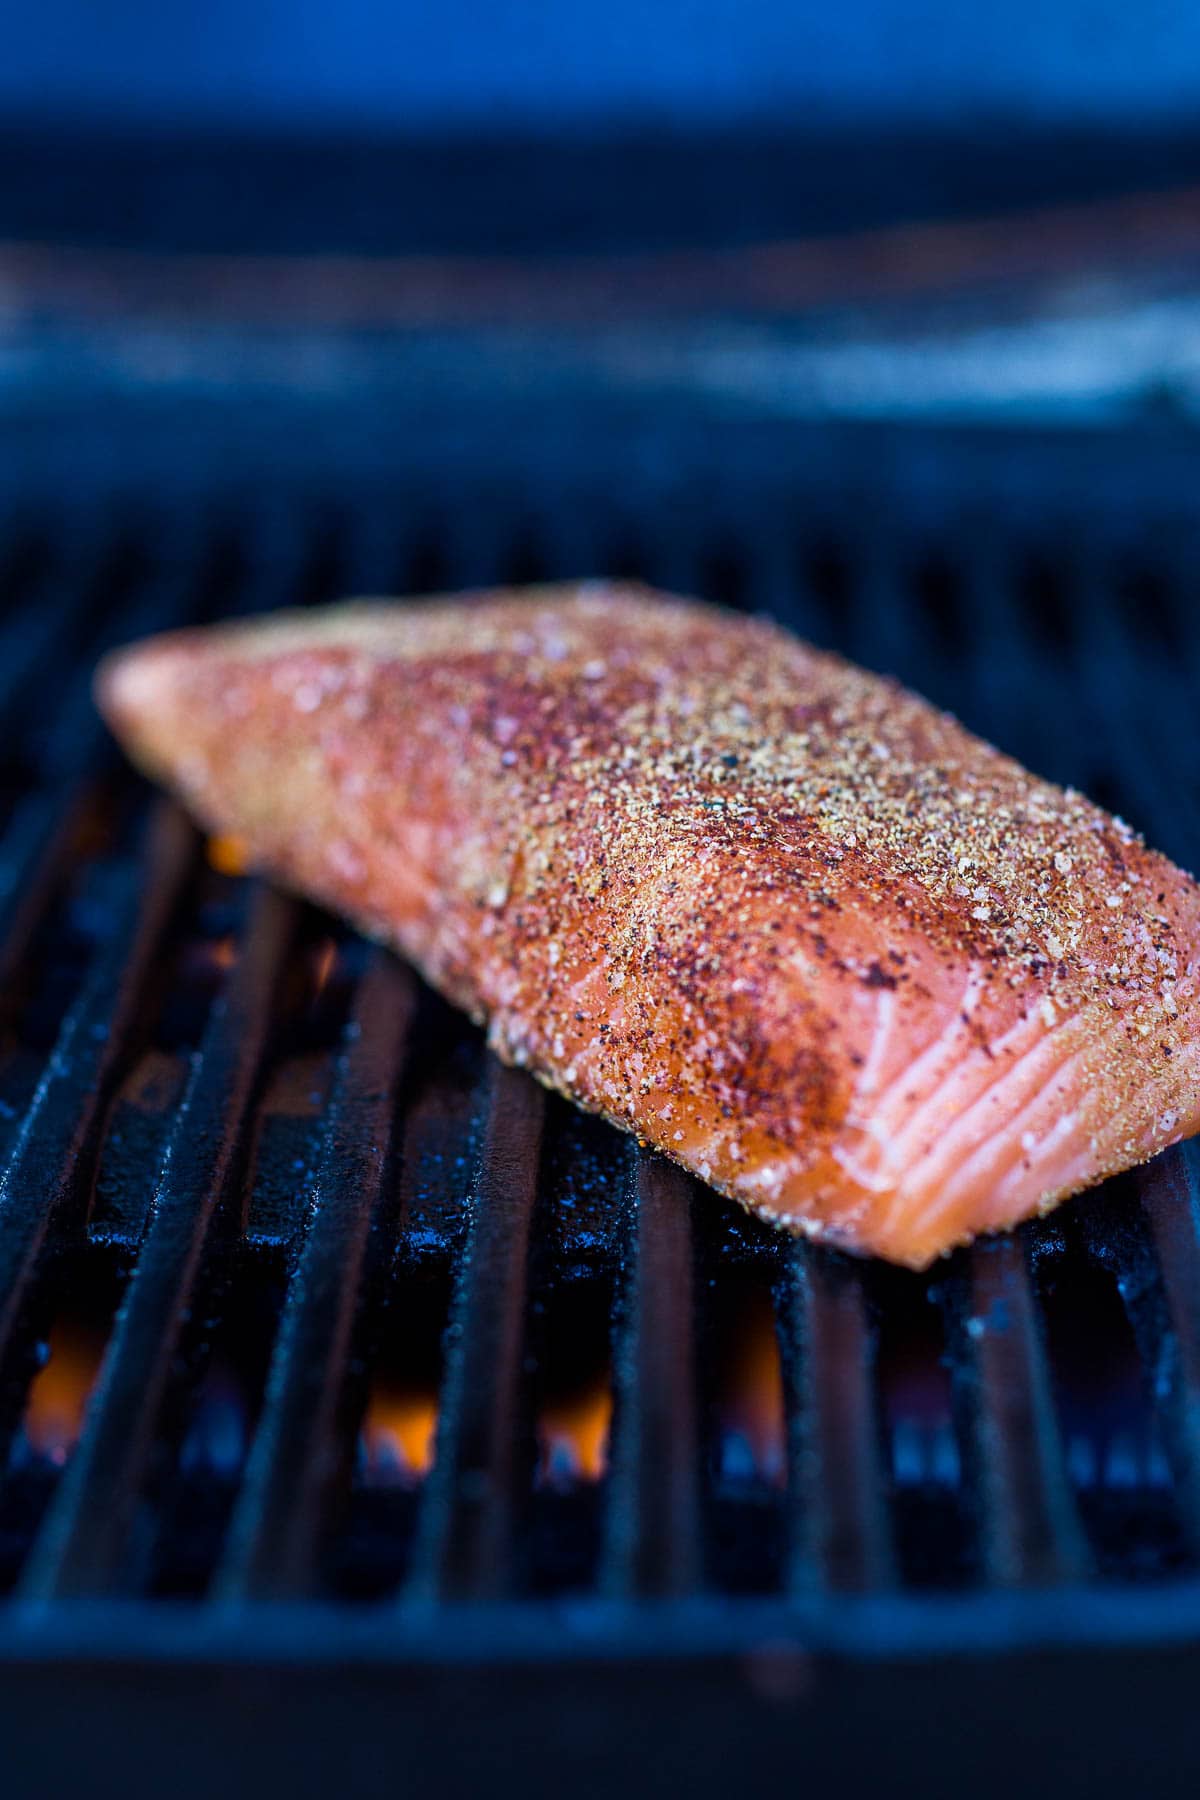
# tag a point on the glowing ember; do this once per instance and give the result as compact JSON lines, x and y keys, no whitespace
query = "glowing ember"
{"x":573,"y":1436}
{"x":323,"y":965}
{"x":228,"y":855}
{"x":59,"y":1393}
{"x":399,"y":1436}
{"x":751,"y":1405}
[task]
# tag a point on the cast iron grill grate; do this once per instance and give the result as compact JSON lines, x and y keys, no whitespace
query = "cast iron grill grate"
{"x":303,"y":1298}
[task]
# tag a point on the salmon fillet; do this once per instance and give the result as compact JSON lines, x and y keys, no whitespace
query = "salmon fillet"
{"x":777,"y":916}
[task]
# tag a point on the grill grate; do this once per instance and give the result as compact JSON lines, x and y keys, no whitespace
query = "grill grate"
{"x":330,"y":1234}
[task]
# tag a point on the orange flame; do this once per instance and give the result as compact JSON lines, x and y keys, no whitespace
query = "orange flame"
{"x":751,"y":1405}
{"x":400,"y":1434}
{"x":228,"y":855}
{"x":573,"y":1436}
{"x":223,"y":952}
{"x":59,"y":1392}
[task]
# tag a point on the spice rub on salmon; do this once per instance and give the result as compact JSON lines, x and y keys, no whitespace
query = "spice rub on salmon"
{"x":777,"y":916}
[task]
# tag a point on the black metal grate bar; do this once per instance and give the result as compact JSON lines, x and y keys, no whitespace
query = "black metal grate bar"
{"x":295,"y":1451}
{"x":463,"y":1541}
{"x":891,"y":629}
{"x":52,"y":1153}
{"x":1166,"y":1316}
{"x":653,"y":1542}
{"x":29,"y":635}
{"x":1029,"y":1529}
{"x":840,"y":1530}
{"x":80,"y":1549}
{"x":33,"y":852}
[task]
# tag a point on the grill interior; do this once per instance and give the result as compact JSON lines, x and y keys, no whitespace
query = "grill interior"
{"x":304,"y":1298}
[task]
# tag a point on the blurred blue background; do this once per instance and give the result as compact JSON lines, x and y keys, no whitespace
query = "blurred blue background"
{"x":372,"y":130}
{"x":470,"y":63}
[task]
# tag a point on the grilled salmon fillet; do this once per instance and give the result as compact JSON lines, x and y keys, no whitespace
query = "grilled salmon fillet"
{"x":777,"y":916}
